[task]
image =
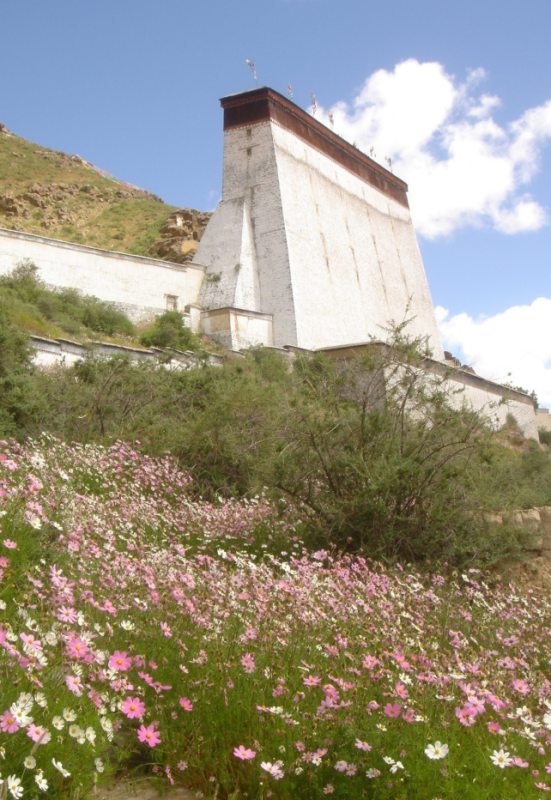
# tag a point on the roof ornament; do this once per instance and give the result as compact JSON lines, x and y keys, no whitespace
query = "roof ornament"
{"x":314,"y":104}
{"x":251,"y":65}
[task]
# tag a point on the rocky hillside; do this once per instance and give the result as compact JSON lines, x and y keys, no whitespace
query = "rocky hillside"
{"x":65,"y":197}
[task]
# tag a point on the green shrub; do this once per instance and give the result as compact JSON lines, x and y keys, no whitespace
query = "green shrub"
{"x":71,"y":312}
{"x":169,"y":331}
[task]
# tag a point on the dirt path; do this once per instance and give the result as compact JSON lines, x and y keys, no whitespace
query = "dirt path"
{"x":143,"y":790}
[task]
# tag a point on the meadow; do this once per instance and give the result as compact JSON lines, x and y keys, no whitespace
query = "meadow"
{"x":144,"y":630}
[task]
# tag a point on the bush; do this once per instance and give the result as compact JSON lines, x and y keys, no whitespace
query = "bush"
{"x":29,"y":299}
{"x":18,"y":398}
{"x":169,"y":331}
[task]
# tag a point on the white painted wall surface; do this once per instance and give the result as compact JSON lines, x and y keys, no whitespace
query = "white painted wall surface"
{"x":135,"y":284}
{"x":355,"y":263}
{"x":494,"y":407}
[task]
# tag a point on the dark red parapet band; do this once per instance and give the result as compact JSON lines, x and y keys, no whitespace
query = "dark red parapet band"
{"x":262,"y":104}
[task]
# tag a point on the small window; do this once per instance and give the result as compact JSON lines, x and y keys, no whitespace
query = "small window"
{"x":171,"y":302}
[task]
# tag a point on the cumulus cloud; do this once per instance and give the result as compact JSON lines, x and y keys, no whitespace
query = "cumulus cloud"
{"x":513,"y":346}
{"x":463,"y":167}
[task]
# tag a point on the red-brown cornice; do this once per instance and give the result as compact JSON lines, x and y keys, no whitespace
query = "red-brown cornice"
{"x":262,"y":104}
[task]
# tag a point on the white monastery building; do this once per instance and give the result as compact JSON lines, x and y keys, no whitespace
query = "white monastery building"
{"x":311,"y":246}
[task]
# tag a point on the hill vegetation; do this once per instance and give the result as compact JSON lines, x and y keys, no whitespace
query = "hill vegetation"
{"x":50,"y":193}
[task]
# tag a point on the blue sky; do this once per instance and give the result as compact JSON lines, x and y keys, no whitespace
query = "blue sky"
{"x":458,"y":94}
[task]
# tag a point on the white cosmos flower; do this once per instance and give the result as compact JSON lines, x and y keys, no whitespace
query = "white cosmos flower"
{"x":75,"y":731}
{"x":14,"y":786}
{"x":41,"y":782}
{"x":60,"y":768}
{"x":437,"y":750}
{"x":547,"y":721}
{"x":501,"y":758}
{"x":99,"y":765}
{"x":58,"y":723}
{"x":69,"y":715}
{"x":90,"y":735}
{"x":21,"y":717}
{"x":29,"y":762}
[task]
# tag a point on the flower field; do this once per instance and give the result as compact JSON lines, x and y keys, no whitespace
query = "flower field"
{"x":143,"y":632}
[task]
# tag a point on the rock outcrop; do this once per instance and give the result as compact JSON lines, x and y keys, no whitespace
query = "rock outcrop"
{"x":180,"y":235}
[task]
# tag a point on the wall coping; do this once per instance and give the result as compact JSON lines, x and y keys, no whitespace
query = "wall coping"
{"x":84,"y":248}
{"x":208,"y":312}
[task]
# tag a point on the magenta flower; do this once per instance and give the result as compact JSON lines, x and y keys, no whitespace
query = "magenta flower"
{"x":120,"y":660}
{"x":38,"y":734}
{"x":10,"y":544}
{"x":133,"y":708}
{"x":8,"y":723}
{"x":186,"y":704}
{"x":247,"y":662}
{"x":149,"y":735}
{"x":244,"y":753}
{"x":362,"y":745}
{"x":393,"y":710}
{"x":77,"y":648}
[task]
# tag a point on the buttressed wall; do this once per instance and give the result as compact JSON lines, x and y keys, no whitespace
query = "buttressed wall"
{"x":311,"y":231}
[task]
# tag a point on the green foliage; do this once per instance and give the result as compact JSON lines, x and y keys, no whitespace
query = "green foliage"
{"x":368,"y":451}
{"x":58,"y":312}
{"x":18,"y":398}
{"x":169,"y":331}
{"x":545,"y":436}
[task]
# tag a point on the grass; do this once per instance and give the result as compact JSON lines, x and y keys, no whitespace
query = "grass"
{"x":99,"y":215}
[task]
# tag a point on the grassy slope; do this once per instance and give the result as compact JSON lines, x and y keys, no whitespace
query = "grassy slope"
{"x":78,"y":204}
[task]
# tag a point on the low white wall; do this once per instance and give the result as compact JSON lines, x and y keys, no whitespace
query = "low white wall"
{"x":138,"y":286}
{"x":63,"y":352}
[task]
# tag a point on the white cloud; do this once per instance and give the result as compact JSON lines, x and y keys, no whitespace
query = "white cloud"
{"x":463,"y":167}
{"x":513,"y":346}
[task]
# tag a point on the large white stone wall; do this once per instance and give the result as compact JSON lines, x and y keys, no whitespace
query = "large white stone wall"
{"x":139,"y":286}
{"x":298,"y":236}
{"x":355,"y":263}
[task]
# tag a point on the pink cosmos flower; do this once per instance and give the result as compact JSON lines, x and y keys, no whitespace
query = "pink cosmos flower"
{"x":149,"y":735}
{"x":521,"y":687}
{"x":244,"y":753}
{"x":10,"y":544}
{"x":275,"y":770}
{"x":8,"y":724}
{"x":74,"y":684}
{"x":311,"y":680}
{"x":77,"y":648}
{"x":120,"y":660}
{"x":133,"y":708}
{"x":466,"y":715}
{"x":186,"y":704}
{"x":38,"y":734}
{"x":247,"y":662}
{"x":393,"y":710}
{"x":362,"y":745}
{"x":401,"y":690}
{"x":494,"y":727}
